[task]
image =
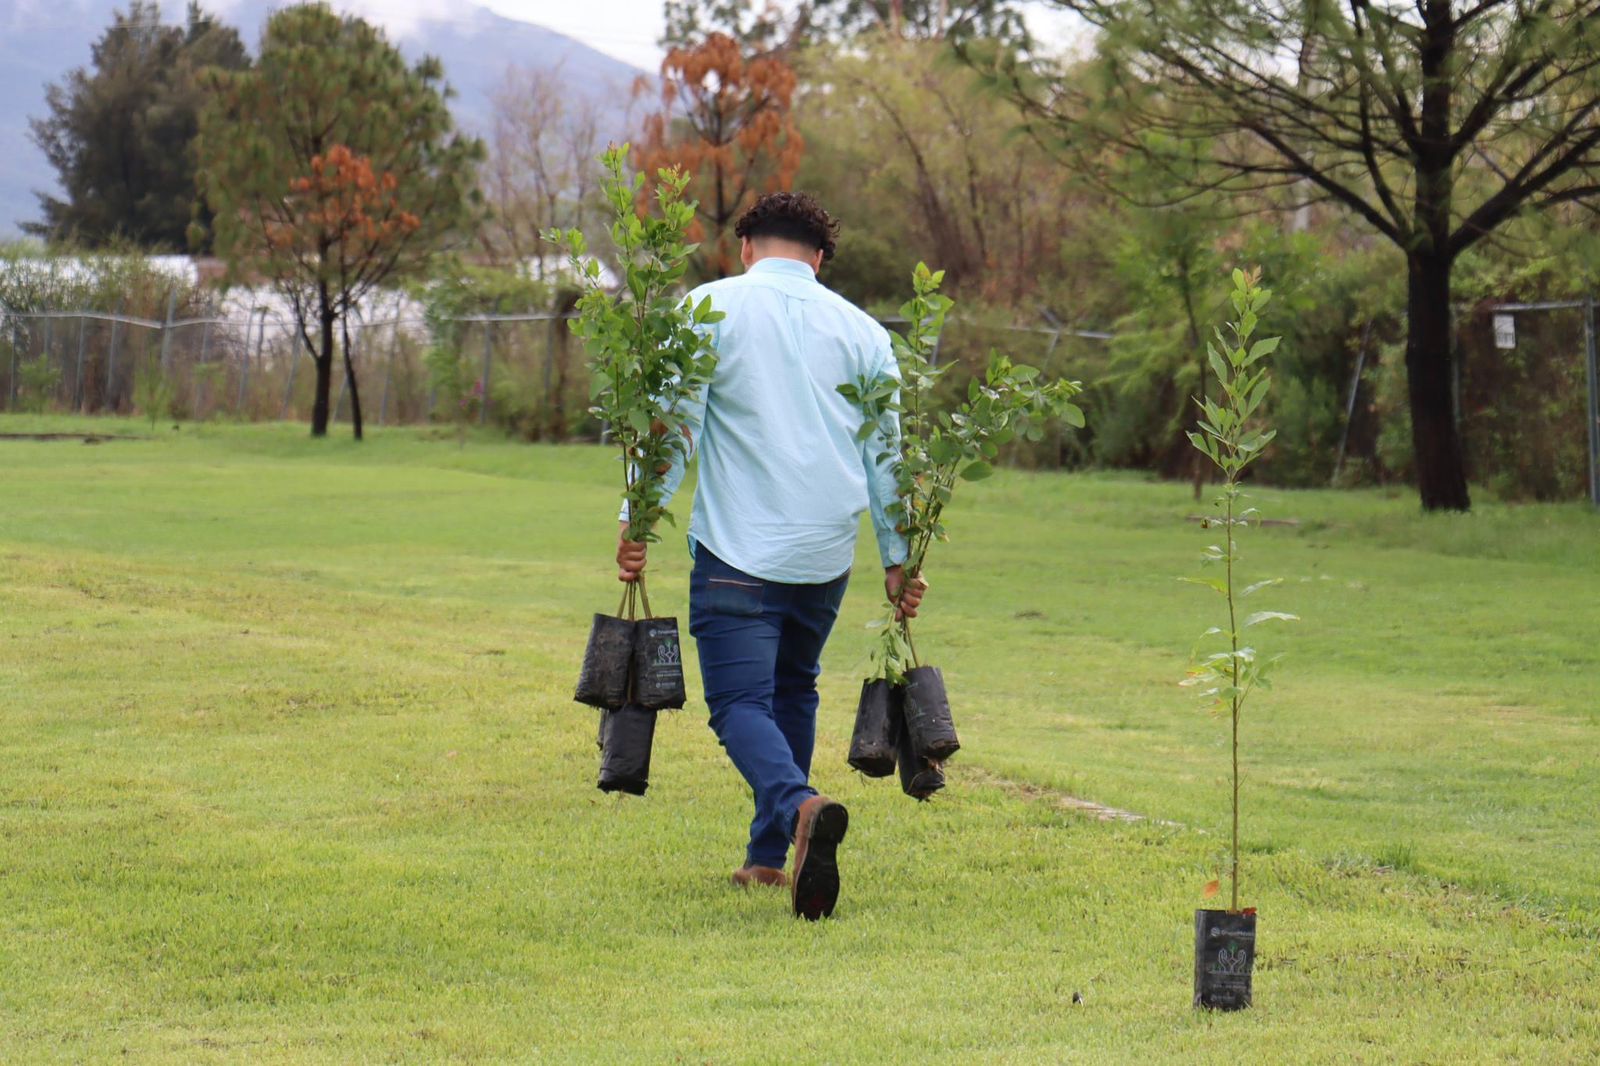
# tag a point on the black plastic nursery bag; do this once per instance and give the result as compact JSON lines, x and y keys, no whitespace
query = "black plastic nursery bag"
{"x":626,"y":736}
{"x":657,"y":664}
{"x":1224,"y":956}
{"x":872,"y":746}
{"x":927,"y":714}
{"x":603,"y":681}
{"x":919,"y":778}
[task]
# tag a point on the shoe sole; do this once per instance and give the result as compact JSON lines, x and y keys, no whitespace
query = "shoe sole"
{"x":816,"y":885}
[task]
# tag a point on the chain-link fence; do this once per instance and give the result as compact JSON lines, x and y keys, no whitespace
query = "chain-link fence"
{"x":256,"y":366}
{"x":1528,"y":399}
{"x":526,"y":372}
{"x":1527,"y":392}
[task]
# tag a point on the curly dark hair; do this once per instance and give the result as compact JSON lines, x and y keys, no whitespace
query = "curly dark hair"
{"x":791,"y":216}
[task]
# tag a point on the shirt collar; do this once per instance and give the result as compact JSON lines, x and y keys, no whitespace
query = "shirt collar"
{"x":778,"y":265}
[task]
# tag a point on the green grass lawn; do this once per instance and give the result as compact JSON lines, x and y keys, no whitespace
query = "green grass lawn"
{"x":291,"y":774}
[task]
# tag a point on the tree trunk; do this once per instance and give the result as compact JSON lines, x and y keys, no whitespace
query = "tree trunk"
{"x":324,"y":361}
{"x":350,"y":379}
{"x":1435,"y":437}
{"x":561,"y":355}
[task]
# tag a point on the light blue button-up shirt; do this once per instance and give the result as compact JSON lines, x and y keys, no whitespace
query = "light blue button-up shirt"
{"x":783,"y":479}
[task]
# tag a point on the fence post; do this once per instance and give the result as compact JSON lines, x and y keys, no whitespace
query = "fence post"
{"x":488,"y":355}
{"x":551,"y":401}
{"x":1593,"y":353}
{"x":77,"y":377}
{"x":11,"y":399}
{"x":44,"y":352}
{"x":244,"y":376}
{"x":388,"y":377}
{"x":288,"y":390}
{"x":1350,"y":404}
{"x":110,"y":399}
{"x":205,"y":350}
{"x":166,"y":332}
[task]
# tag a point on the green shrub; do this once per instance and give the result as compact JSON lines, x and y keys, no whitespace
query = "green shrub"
{"x":152,"y":392}
{"x":37,"y":382}
{"x":455,"y":366}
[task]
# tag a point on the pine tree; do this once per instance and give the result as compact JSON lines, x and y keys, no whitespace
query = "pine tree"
{"x":120,"y":132}
{"x":334,"y":168}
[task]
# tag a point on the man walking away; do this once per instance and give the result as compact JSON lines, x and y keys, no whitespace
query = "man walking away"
{"x":783,"y":482}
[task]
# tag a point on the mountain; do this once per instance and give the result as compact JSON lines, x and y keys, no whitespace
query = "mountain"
{"x":41,"y":43}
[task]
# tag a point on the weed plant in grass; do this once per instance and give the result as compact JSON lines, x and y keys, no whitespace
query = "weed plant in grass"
{"x":292,"y":775}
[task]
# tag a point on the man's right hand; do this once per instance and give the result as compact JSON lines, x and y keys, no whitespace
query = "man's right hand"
{"x":906,"y":595}
{"x":630,"y":555}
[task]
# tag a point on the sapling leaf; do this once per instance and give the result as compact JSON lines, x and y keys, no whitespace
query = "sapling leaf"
{"x":1219,"y":366}
{"x":1270,"y":616}
{"x":976,"y":471}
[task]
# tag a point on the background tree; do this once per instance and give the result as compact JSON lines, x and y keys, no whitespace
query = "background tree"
{"x":762,"y":27}
{"x":919,"y":165}
{"x":540,"y":170}
{"x":726,"y":121}
{"x":120,"y":132}
{"x":334,"y":169}
{"x":769,"y":27}
{"x":924,"y":19}
{"x":1435,"y":123}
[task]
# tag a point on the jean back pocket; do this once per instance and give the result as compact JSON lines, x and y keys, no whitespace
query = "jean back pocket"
{"x":732,"y":594}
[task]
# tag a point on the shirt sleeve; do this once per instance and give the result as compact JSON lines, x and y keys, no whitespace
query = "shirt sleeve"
{"x":878,"y":455}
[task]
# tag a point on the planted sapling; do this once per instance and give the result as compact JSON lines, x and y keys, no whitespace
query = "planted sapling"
{"x":649,"y":353}
{"x":1231,"y":438}
{"x":932,"y":452}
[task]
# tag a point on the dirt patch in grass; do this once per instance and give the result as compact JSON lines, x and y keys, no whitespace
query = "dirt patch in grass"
{"x":84,"y":438}
{"x":1076,"y":804}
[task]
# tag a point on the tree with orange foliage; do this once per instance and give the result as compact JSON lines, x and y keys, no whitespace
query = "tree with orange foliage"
{"x":333,"y":169}
{"x":726,"y":120}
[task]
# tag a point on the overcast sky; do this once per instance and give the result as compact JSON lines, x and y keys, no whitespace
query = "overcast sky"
{"x":628,"y":29}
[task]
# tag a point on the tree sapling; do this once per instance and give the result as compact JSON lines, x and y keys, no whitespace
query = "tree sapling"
{"x":933,"y":450}
{"x":648,"y":354}
{"x":1229,"y":436}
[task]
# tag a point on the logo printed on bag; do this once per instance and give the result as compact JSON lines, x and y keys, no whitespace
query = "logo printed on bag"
{"x":1232,"y":960}
{"x":667,"y":653}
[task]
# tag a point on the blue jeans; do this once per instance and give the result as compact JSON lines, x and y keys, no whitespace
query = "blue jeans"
{"x":760,"y":646}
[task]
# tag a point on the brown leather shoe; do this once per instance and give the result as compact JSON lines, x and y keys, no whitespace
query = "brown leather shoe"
{"x":748,"y":875}
{"x":818,"y":829}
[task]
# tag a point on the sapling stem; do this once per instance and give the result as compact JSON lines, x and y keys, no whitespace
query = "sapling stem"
{"x":933,"y":448}
{"x":1225,"y":437}
{"x":905,"y":627}
{"x":1233,"y":631}
{"x":649,"y":353}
